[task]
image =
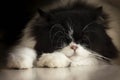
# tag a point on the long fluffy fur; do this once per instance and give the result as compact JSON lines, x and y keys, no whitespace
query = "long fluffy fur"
{"x":28,"y":41}
{"x":112,"y":11}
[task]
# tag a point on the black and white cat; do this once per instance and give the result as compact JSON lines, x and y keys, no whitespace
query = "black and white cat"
{"x":69,"y":35}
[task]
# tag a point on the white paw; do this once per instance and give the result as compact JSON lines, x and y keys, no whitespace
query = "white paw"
{"x":21,"y":58}
{"x":55,"y":59}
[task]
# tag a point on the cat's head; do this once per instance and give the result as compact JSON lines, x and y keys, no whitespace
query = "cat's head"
{"x":74,"y":29}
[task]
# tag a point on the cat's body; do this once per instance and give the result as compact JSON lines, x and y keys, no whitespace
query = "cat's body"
{"x":70,"y":35}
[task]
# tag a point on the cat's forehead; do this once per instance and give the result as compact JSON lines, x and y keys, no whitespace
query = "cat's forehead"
{"x":72,"y":19}
{"x":71,"y":16}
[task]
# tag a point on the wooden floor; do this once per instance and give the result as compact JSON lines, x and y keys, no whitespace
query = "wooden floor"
{"x":104,"y":72}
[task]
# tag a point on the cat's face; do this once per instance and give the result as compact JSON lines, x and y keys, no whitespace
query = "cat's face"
{"x":74,"y":32}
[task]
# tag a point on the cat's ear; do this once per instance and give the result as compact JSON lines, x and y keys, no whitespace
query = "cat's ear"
{"x":100,"y":16}
{"x":99,"y":11}
{"x":44,"y":14}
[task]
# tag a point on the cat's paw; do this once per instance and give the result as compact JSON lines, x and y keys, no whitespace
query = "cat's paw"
{"x":21,"y":58}
{"x":55,"y":59}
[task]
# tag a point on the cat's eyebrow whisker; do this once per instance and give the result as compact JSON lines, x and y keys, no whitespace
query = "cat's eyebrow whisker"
{"x":54,"y":27}
{"x":86,"y":26}
{"x":52,"y":40}
{"x":62,"y":30}
{"x":56,"y":34}
{"x":60,"y":38}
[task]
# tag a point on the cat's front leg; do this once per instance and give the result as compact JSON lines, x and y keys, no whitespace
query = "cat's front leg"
{"x":21,"y":58}
{"x":51,"y":60}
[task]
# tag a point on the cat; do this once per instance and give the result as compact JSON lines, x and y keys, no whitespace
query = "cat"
{"x":67,"y":36}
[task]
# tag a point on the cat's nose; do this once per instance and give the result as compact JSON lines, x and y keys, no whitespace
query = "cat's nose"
{"x":74,"y":47}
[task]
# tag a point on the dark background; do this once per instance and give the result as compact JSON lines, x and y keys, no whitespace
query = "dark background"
{"x":14,"y":15}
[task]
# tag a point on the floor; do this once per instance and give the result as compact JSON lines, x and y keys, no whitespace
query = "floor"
{"x":104,"y":72}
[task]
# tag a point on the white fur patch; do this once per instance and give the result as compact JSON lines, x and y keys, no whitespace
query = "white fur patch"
{"x":80,"y":51}
{"x":55,"y":59}
{"x":67,"y":57}
{"x":81,"y":56}
{"x":27,"y":40}
{"x":21,"y":57}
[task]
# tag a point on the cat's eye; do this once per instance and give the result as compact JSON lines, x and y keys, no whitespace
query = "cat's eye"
{"x":85,"y":41}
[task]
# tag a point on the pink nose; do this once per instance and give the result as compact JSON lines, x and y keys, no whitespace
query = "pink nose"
{"x":74,"y":47}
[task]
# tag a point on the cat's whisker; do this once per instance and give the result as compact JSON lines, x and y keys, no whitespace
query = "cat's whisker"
{"x":65,"y":32}
{"x":54,"y":27}
{"x":62,"y":31}
{"x":101,"y":57}
{"x":86,"y":26}
{"x":60,"y":38}
{"x":62,"y":45}
{"x":55,"y":34}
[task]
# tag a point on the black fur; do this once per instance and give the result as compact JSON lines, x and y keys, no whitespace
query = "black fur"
{"x":82,"y":19}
